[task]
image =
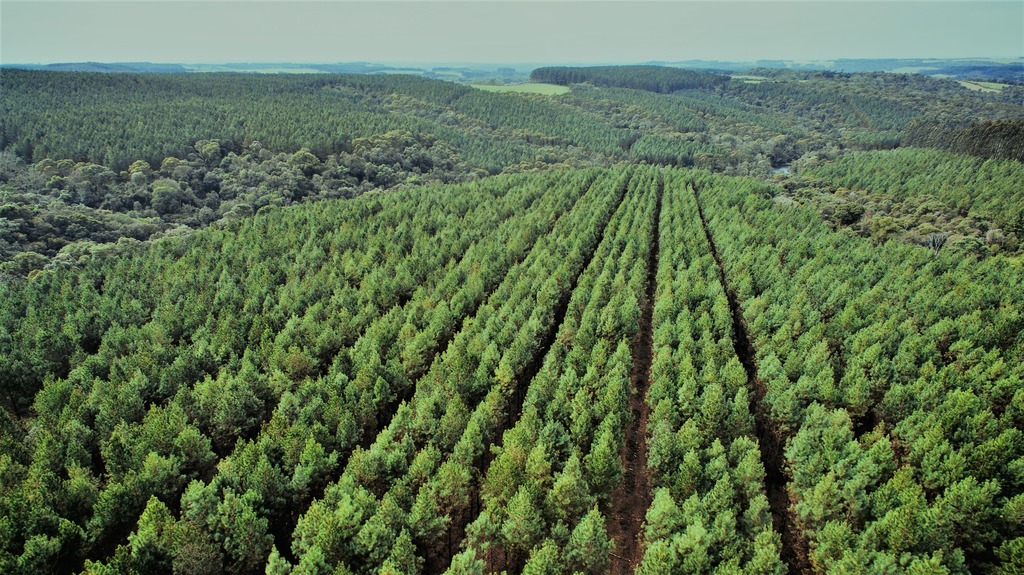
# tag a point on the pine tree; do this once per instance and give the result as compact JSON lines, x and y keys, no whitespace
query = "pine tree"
{"x":523,"y":525}
{"x":664,"y":518}
{"x":589,"y":549}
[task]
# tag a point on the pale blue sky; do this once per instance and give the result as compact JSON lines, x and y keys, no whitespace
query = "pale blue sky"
{"x":426,"y":31}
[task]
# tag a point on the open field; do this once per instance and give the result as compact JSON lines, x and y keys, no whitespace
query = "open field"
{"x":982,"y":86}
{"x":527,"y":88}
{"x":746,"y":78}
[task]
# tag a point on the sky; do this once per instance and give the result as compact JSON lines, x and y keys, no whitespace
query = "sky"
{"x":492,"y":31}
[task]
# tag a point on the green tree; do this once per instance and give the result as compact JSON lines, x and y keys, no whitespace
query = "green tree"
{"x":242,"y":532}
{"x":523,"y":524}
{"x":589,"y":549}
{"x":544,"y":560}
{"x":153,"y":540}
{"x":664,"y":518}
{"x":604,"y":468}
{"x":570,"y":497}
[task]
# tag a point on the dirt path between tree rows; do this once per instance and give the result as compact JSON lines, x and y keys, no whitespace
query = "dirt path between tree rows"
{"x":457,"y":528}
{"x":628,"y":504}
{"x":771,"y":439}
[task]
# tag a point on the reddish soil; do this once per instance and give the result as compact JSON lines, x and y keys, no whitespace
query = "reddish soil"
{"x":771,"y":438}
{"x":628,"y":504}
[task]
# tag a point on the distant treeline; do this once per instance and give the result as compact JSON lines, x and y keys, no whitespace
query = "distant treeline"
{"x":996,"y":139}
{"x":651,"y":78}
{"x":116,"y":119}
{"x":1009,"y":72}
{"x":112,"y":67}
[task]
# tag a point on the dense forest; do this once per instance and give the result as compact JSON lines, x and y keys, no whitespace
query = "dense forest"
{"x":441,"y":380}
{"x":89,"y":158}
{"x":997,"y":139}
{"x":667,"y":322}
{"x":650,"y":78}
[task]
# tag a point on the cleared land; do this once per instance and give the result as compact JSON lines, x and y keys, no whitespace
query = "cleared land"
{"x":982,"y":86}
{"x":748,"y":78}
{"x":527,"y":88}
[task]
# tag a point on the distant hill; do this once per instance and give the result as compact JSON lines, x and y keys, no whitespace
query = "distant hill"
{"x":1006,"y":70}
{"x":452,"y":72}
{"x":136,"y":67}
{"x":957,"y":68}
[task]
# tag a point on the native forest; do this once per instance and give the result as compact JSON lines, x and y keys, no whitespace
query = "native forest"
{"x":625,"y":319}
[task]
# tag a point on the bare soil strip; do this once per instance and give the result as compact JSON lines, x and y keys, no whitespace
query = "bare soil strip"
{"x":771,"y":438}
{"x":628,"y":505}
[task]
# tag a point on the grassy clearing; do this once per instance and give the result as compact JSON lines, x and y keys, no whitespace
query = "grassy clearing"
{"x":982,"y":86}
{"x":748,"y":79}
{"x":527,"y":88}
